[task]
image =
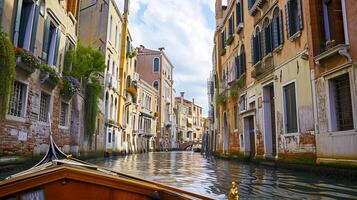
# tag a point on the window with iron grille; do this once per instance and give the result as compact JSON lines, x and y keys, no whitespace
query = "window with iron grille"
{"x":64,"y":114}
{"x":44,"y":107}
{"x":341,"y":103}
{"x":17,"y":101}
{"x":290,"y":114}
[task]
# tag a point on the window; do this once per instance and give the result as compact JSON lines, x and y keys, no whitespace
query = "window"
{"x":293,"y":14}
{"x":156,"y":85}
{"x":239,"y":12}
{"x":64,"y":114}
{"x":240,"y":63}
{"x":156,"y":64}
{"x":107,"y":104}
{"x":231,"y":25}
{"x":341,"y":110}
{"x":109,"y":137}
{"x":333,"y":25}
{"x":110,"y":28}
{"x":26,"y":25}
{"x":243,"y":103}
{"x":250,"y":3}
{"x":241,"y":140}
{"x":290,"y":114}
{"x":18,"y":100}
{"x":277,"y":26}
{"x":267,"y":44}
{"x":116,"y":38}
{"x":223,"y":39}
{"x":51,"y":42}
{"x":1,"y":10}
{"x":108,"y":63}
{"x":256,"y":44}
{"x":44,"y":107}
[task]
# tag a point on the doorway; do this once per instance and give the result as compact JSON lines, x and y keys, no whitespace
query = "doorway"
{"x":249,"y":135}
{"x":269,"y":120}
{"x":225,"y":133}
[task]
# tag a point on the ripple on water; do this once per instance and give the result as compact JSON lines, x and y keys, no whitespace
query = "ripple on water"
{"x":212,"y":177}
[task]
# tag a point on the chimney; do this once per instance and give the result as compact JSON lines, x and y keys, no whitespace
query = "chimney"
{"x":219,"y":9}
{"x":193,"y":101}
{"x":182,"y":94}
{"x":162,"y":48}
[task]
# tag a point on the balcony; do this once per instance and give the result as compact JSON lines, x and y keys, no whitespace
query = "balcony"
{"x":255,"y":5}
{"x":263,"y":66}
{"x":112,"y":82}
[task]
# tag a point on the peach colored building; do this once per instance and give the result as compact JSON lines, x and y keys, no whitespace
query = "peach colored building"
{"x":155,"y":68}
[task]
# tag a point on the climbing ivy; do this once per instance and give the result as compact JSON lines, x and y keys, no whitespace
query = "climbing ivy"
{"x":87,"y":63}
{"x":7,"y":73}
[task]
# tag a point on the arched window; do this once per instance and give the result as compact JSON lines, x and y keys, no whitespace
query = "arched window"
{"x":156,"y":65}
{"x":240,"y":62}
{"x":155,"y":84}
{"x":266,"y":44}
{"x":277,"y":28}
{"x":256,"y":46}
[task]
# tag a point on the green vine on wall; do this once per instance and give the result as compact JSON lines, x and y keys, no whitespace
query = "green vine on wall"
{"x":7,"y":73}
{"x":91,"y":108}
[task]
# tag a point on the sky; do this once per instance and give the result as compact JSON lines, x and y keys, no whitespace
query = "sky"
{"x":185,"y":28}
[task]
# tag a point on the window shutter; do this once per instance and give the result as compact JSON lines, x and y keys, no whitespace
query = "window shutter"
{"x":259,"y":45}
{"x":237,"y":66}
{"x":58,"y":39}
{"x":241,"y":11}
{"x":242,"y":56}
{"x":238,"y":14}
{"x":46,"y":37}
{"x":34,"y":29}
{"x":252,"y":40}
{"x":299,"y":9}
{"x":1,"y":7}
{"x":262,"y":41}
{"x":287,"y":19}
{"x":280,"y":21}
{"x":17,"y":22}
{"x":275,"y":32}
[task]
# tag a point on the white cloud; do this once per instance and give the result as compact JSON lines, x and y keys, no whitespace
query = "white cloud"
{"x":181,"y":27}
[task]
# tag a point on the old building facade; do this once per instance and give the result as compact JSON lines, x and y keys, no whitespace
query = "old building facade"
{"x":333,"y":54}
{"x":282,"y":71}
{"x":155,"y":68}
{"x":264,"y":91}
{"x":42,"y":31}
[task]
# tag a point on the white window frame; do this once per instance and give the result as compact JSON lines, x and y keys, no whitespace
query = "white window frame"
{"x":284,"y":108}
{"x":332,"y":122}
{"x":158,"y":85}
{"x":24,"y":114}
{"x":66,"y":126}
{"x":49,"y":107}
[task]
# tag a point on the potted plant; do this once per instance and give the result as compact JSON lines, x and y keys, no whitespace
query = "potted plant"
{"x":49,"y":75}
{"x":69,"y":86}
{"x":26,"y":60}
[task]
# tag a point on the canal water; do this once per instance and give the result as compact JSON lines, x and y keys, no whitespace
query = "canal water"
{"x":212,"y":177}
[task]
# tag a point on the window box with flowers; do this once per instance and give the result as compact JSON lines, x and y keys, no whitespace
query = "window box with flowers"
{"x":49,"y":75}
{"x":221,"y":100}
{"x":26,"y":61}
{"x":69,"y":86}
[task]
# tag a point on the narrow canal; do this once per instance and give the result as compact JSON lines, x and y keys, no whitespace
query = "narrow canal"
{"x":212,"y":177}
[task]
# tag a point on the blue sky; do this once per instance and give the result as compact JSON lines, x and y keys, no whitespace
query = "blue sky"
{"x":185,"y":28}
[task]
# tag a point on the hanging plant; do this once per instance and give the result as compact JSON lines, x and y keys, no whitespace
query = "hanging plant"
{"x":132,"y":54}
{"x":69,"y":86}
{"x":92,"y":93}
{"x":27,"y":58}
{"x":7,"y":72}
{"x":49,"y":74}
{"x":230,"y":39}
{"x":221,"y":100}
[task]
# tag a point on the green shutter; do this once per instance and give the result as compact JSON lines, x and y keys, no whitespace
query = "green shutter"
{"x":34,"y":29}
{"x":299,"y":8}
{"x":275,"y":23}
{"x":252,"y":50}
{"x":46,"y":39}
{"x":287,"y":20}
{"x":17,"y":22}
{"x":58,"y":38}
